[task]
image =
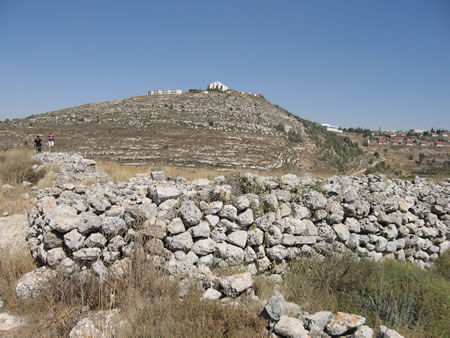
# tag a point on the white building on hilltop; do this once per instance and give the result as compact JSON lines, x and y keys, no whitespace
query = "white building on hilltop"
{"x":331,"y":128}
{"x":217,"y":85}
{"x":165,"y":92}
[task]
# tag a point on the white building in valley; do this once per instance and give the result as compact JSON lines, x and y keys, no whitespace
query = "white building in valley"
{"x":217,"y":85}
{"x":165,"y":92}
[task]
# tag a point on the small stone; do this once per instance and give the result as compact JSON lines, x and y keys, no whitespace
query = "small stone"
{"x":212,"y":294}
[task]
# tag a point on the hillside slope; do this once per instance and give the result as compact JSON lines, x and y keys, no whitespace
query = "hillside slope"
{"x":191,"y":129}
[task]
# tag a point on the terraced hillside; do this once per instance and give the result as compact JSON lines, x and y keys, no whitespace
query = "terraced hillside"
{"x":191,"y":129}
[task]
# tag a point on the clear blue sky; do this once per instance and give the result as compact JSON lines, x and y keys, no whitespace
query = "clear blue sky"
{"x":358,"y":63}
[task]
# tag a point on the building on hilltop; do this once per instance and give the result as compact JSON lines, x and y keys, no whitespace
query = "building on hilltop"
{"x":217,"y":86}
{"x":332,"y":128}
{"x":165,"y":92}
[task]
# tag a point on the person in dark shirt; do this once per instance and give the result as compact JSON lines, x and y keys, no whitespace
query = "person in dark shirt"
{"x":38,"y":144}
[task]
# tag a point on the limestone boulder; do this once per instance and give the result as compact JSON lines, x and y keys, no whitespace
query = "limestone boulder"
{"x":234,"y":285}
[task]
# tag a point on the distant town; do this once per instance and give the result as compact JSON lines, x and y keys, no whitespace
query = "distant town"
{"x":412,"y":137}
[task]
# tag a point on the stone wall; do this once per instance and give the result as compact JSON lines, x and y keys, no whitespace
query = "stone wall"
{"x":262,"y":222}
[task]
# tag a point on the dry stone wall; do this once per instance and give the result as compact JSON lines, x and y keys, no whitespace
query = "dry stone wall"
{"x":261,"y":222}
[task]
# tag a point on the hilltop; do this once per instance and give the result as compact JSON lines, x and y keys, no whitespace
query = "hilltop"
{"x":206,"y":129}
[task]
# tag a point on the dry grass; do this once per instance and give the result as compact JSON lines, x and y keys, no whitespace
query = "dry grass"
{"x":15,"y":167}
{"x":147,"y":298}
{"x":123,"y":172}
{"x":13,"y":265}
{"x":15,"y":200}
{"x":399,"y":295}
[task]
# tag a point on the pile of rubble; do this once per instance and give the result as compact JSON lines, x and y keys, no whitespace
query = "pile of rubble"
{"x":189,"y":227}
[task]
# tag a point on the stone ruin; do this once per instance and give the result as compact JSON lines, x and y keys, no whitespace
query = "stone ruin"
{"x":189,"y":227}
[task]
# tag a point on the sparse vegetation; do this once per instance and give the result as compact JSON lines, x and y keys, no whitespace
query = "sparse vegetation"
{"x":15,"y":168}
{"x":146,"y":296}
{"x":295,"y":136}
{"x":380,"y":167}
{"x":397,"y":294}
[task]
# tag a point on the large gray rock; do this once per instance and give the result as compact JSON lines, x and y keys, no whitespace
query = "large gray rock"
{"x":32,"y":283}
{"x":100,"y":270}
{"x":212,"y":294}
{"x":343,"y":322}
{"x":98,"y":203}
{"x":164,"y":193}
{"x":317,"y":321}
{"x":190,"y":213}
{"x":213,"y":208}
{"x":229,"y":212}
{"x":181,"y":241}
{"x":181,"y":264}
{"x":89,"y":222}
{"x":234,"y":285}
{"x":275,"y":307}
{"x":363,"y":332}
{"x":176,"y":226}
{"x":95,"y":240}
{"x":74,"y":240}
{"x":301,"y":212}
{"x":245,"y":219}
{"x":87,"y":254}
{"x":64,"y":223}
{"x":315,"y":200}
{"x":204,"y":247}
{"x":277,"y":253}
{"x":342,"y":232}
{"x":55,"y":256}
{"x":270,"y":202}
{"x":255,"y":237}
{"x":230,"y":252}
{"x":53,"y":240}
{"x":155,"y":228}
{"x":242,"y":203}
{"x":384,"y":332}
{"x":238,"y":238}
{"x":113,"y":226}
{"x":201,"y":230}
{"x":290,"y":327}
{"x":158,"y":176}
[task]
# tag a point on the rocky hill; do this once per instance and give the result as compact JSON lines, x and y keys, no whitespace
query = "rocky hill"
{"x":192,"y":129}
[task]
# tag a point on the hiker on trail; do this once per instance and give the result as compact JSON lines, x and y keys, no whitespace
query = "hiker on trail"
{"x":38,"y":144}
{"x":51,"y":141}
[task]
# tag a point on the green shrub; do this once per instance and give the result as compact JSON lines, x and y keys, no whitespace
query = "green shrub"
{"x":280,"y":127}
{"x":295,"y":136}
